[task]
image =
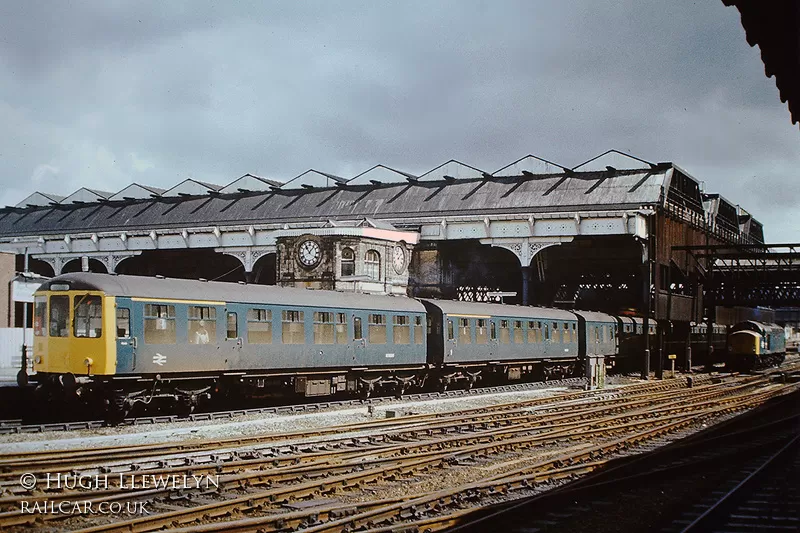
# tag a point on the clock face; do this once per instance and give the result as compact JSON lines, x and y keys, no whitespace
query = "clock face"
{"x":399,"y":259}
{"x":309,"y":253}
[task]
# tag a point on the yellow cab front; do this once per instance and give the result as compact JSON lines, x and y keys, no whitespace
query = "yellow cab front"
{"x":73,"y":333}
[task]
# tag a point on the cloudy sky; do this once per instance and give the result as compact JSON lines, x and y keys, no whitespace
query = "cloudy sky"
{"x":101,"y":94}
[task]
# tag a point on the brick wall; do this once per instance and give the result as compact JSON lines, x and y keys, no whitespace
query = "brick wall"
{"x":7,"y":264}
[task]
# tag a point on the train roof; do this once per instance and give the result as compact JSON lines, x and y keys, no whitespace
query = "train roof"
{"x":185,"y":289}
{"x":454,"y":307}
{"x":595,"y":316}
{"x":761,"y":327}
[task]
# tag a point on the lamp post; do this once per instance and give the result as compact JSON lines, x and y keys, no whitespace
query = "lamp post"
{"x":22,"y":375}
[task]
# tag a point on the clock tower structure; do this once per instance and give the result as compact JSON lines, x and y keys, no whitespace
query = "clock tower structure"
{"x":367,"y":257}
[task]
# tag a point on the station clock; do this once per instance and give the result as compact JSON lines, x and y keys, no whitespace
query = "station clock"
{"x":309,"y":253}
{"x":399,"y":259}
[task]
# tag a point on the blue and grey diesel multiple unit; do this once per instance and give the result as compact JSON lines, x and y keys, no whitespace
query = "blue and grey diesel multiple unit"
{"x":140,"y":338}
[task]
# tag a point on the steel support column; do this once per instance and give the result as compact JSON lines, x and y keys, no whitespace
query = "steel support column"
{"x":711,"y":312}
{"x":647,"y":275}
{"x":526,"y":279}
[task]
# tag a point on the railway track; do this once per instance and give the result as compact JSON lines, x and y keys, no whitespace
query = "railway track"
{"x":17,"y":425}
{"x":768,"y":497}
{"x":740,"y":475}
{"x":541,"y":440}
{"x":11,"y":463}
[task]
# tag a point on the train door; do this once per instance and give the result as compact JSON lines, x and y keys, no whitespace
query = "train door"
{"x":547,"y":346}
{"x":450,"y":338}
{"x":494,"y":343}
{"x":126,"y":341}
{"x":358,"y":345}
{"x":232,"y":345}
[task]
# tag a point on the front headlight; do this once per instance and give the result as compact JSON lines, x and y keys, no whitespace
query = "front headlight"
{"x":88,"y":361}
{"x":38,"y":359}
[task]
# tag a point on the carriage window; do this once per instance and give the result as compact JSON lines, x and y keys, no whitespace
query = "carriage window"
{"x":202,"y":325}
{"x":450,"y":334}
{"x":377,"y":329}
{"x":88,"y":319}
{"x":518,"y":332}
{"x":613,"y":329}
{"x":348,"y":262}
{"x":505,"y":333}
{"x":232,"y":331}
{"x":555,"y":336}
{"x":481,"y":332}
{"x":493,"y":330}
{"x":546,"y":332}
{"x":259,"y":326}
{"x":531,"y":331}
{"x":341,"y":329}
{"x":39,"y":316}
{"x":401,"y":330}
{"x":293,"y":328}
{"x":323,"y":328}
{"x":59,"y":316}
{"x":159,"y":324}
{"x":464,"y":331}
{"x":357,"y":332}
{"x":418,"y":335}
{"x":596,"y":333}
{"x":123,"y":322}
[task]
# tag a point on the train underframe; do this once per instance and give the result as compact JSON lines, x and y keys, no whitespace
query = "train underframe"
{"x":62,"y":395}
{"x":749,"y":362}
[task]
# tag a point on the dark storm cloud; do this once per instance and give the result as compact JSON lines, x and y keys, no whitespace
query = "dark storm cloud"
{"x":104,"y":93}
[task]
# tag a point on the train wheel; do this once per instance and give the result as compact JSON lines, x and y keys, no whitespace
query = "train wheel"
{"x":117,"y":409}
{"x":47,"y":401}
{"x":187,"y":405}
{"x":364,"y":390}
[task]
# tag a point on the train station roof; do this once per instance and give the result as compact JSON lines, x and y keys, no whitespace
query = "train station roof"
{"x":192,"y":204}
{"x":611,"y":181}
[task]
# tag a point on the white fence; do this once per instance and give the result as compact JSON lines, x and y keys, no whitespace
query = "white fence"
{"x":11,"y":351}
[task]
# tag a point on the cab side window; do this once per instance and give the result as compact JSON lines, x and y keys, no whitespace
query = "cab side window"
{"x":40,"y":316}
